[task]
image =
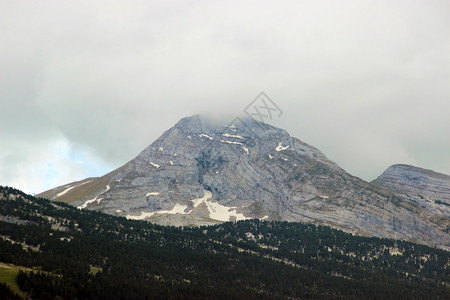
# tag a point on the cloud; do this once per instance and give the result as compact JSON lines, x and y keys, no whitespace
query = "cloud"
{"x":365,"y":82}
{"x":49,"y":164}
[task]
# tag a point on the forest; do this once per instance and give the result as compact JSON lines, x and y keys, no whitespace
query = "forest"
{"x":67,"y":253}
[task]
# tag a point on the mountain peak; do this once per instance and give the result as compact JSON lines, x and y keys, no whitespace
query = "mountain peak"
{"x":199,"y":124}
{"x":407,"y":179}
{"x":405,"y":168}
{"x":204,"y":170}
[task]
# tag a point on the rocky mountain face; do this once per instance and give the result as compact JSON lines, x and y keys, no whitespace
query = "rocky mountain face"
{"x":425,"y":184}
{"x":203,"y":172}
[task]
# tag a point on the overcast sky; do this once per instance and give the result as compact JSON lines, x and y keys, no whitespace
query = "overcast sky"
{"x":86,"y":85}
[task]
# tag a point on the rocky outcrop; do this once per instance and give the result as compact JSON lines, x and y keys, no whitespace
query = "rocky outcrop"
{"x":416,"y":181}
{"x":203,"y":172}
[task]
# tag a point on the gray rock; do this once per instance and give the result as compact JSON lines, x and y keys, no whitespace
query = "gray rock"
{"x":201,"y":172}
{"x":412,"y":180}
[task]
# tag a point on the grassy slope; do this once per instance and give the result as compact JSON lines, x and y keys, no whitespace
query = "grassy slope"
{"x":8,"y":275}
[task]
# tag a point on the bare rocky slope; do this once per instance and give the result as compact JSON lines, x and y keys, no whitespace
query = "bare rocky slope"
{"x":426,"y":184}
{"x":203,"y":172}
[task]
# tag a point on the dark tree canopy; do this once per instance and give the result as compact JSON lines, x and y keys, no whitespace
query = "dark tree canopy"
{"x":80,"y":254}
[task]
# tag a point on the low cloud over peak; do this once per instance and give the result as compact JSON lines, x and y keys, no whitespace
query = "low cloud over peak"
{"x":365,"y":82}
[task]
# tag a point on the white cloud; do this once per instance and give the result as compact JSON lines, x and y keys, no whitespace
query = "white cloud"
{"x":364,"y":81}
{"x":36,"y":168}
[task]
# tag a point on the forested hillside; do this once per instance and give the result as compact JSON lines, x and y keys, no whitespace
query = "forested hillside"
{"x":80,"y":254}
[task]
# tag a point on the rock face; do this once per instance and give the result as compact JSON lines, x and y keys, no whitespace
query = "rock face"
{"x":426,"y":184}
{"x":203,"y":172}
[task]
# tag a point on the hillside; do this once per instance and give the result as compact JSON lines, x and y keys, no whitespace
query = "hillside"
{"x":203,"y":172}
{"x":86,"y":254}
{"x":426,"y":184}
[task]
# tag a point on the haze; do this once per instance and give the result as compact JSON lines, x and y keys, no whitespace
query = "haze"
{"x":86,"y":85}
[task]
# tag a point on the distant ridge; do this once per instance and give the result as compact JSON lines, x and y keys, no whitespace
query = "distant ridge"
{"x":413,"y":180}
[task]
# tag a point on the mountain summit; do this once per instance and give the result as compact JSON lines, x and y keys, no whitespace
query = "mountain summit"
{"x":426,"y":184}
{"x":203,"y":172}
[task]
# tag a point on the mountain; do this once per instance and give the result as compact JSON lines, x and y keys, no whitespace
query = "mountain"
{"x":51,"y":250}
{"x":205,"y":172}
{"x":426,"y":184}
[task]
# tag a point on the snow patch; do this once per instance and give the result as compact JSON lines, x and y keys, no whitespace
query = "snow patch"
{"x":177,"y":209}
{"x":161,"y":149}
{"x":206,"y":136}
{"x":218,"y":211}
{"x":174,"y":154}
{"x":142,"y":216}
{"x":236,"y":143}
{"x":155,"y":165}
{"x":233,"y":136}
{"x":152,"y":194}
{"x":265,"y":218}
{"x":281,"y":147}
{"x":68,"y":189}
{"x":85,"y":204}
{"x":171,"y":162}
{"x":270,"y":156}
{"x":223,"y":213}
{"x":118,"y":211}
